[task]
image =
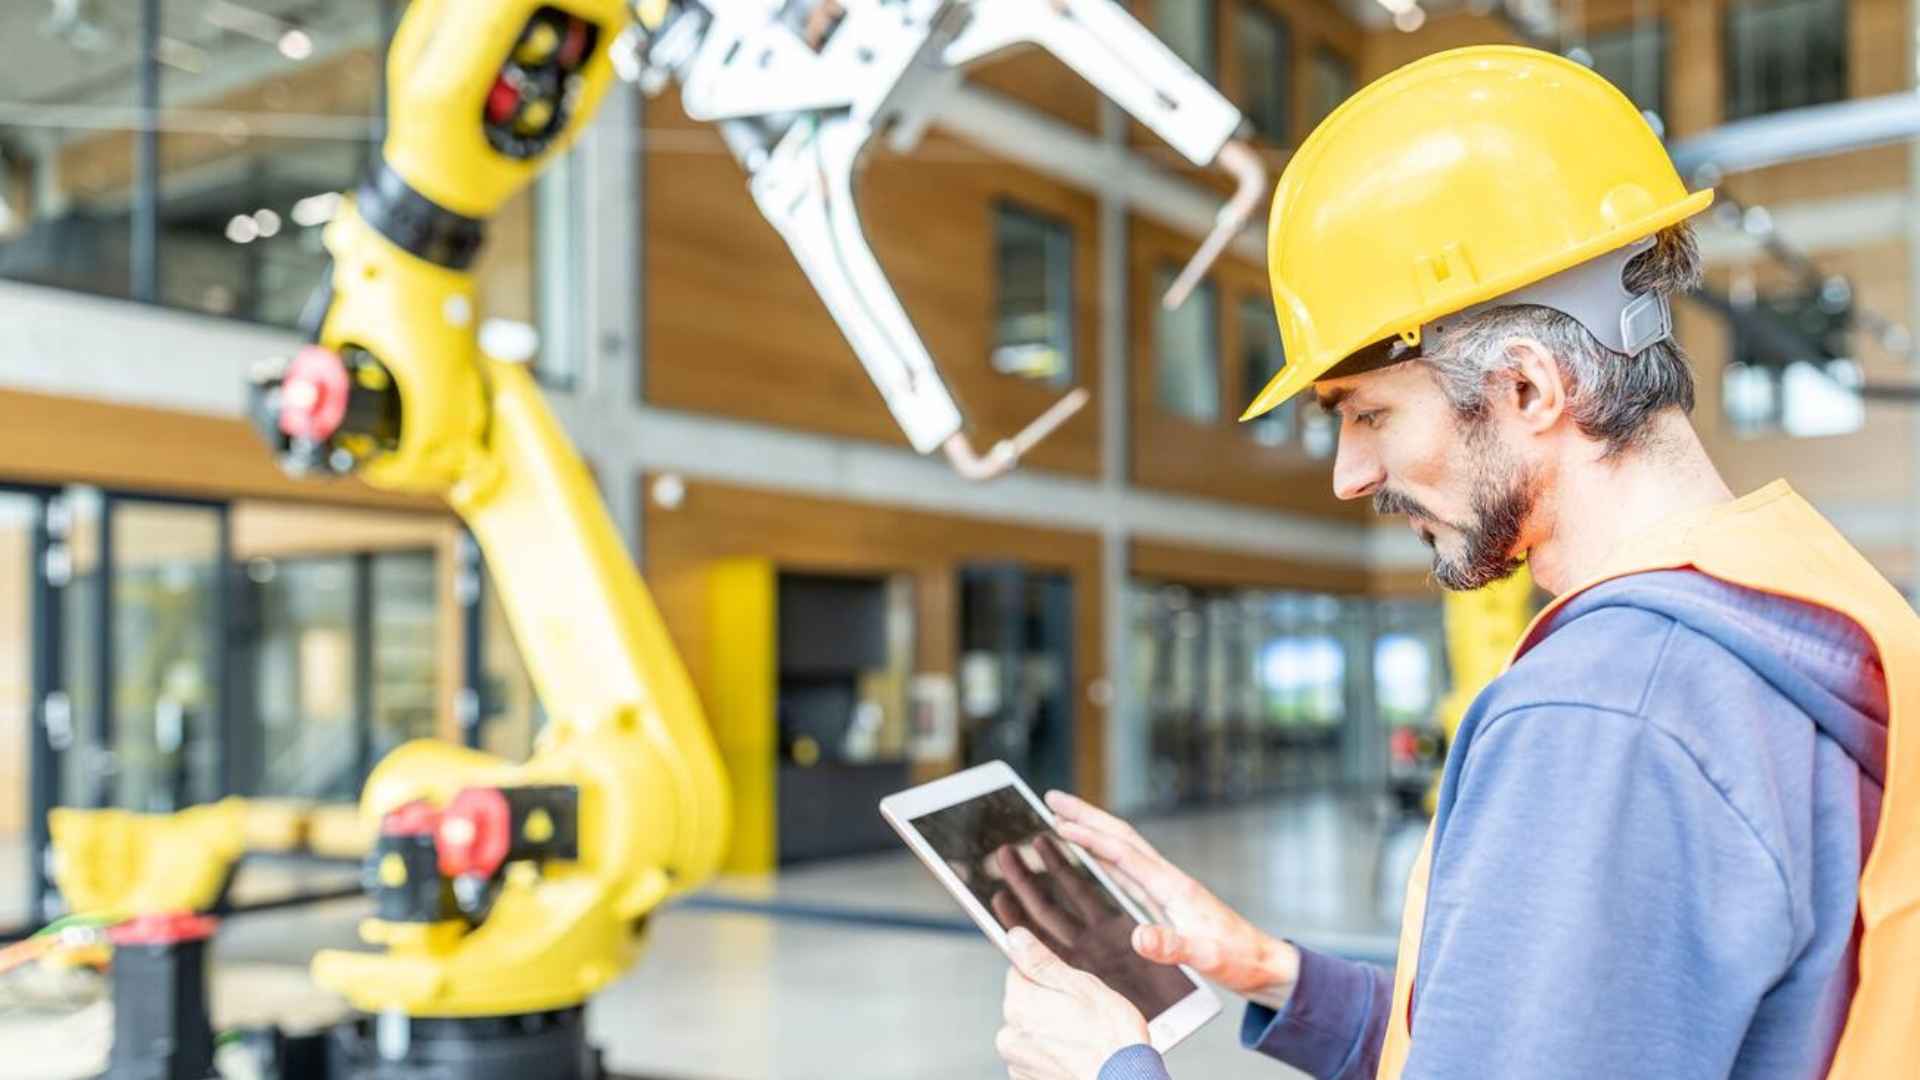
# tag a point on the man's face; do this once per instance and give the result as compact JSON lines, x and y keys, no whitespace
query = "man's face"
{"x":1464,"y":489}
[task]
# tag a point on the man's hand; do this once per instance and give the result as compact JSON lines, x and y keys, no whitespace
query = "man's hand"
{"x":1200,"y":931}
{"x":1061,"y":1024}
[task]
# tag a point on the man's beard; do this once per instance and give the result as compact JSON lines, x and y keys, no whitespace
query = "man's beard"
{"x":1501,"y":500}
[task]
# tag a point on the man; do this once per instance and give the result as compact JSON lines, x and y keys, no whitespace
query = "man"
{"x":1650,"y":855}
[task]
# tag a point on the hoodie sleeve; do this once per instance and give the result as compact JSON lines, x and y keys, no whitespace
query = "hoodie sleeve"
{"x":1333,"y":1025}
{"x":1596,"y":900}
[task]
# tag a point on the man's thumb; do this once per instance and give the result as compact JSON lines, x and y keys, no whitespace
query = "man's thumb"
{"x":1164,"y":945}
{"x":1033,"y":958}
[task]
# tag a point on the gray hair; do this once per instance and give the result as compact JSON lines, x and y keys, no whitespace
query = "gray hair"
{"x":1611,"y":396}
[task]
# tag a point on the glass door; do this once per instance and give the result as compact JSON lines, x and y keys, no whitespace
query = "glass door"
{"x":27,"y":586}
{"x":162,"y":647}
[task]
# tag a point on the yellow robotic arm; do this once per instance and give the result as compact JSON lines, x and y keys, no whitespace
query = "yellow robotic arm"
{"x":499,"y":889}
{"x":1482,"y":628}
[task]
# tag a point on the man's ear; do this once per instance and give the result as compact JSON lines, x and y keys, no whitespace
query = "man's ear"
{"x":1535,"y":390}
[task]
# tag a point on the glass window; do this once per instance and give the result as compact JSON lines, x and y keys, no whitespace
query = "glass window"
{"x":63,"y":210}
{"x":1304,"y":679}
{"x":1750,"y":398}
{"x":1331,"y":83}
{"x":1263,"y":357}
{"x":559,"y":241}
{"x":1244,"y":690}
{"x":1266,"y":70}
{"x":1804,"y":399}
{"x":1790,"y":371}
{"x":1783,"y":54}
{"x":510,"y":712}
{"x":264,"y":112}
{"x":1319,"y":432}
{"x":83,"y":760}
{"x":1034,"y":322}
{"x":1187,"y":28}
{"x":405,"y":648}
{"x":305,"y":683}
{"x":19,"y":516}
{"x":166,"y":653}
{"x":1821,"y":398}
{"x":1635,"y":60}
{"x":1186,"y":349}
{"x":1404,"y":677}
{"x":267,"y":112}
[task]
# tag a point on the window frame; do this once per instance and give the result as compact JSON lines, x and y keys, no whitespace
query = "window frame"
{"x":1281,"y":134}
{"x":1214,"y":293}
{"x":1729,"y":57}
{"x":1210,"y":47}
{"x":1068,"y":280}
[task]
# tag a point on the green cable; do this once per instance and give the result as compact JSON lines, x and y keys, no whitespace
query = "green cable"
{"x":78,"y":920}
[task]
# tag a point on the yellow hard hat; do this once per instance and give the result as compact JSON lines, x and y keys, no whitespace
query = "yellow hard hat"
{"x":1449,"y":182}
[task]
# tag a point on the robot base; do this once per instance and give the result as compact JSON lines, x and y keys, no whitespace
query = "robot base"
{"x":544,"y":1045}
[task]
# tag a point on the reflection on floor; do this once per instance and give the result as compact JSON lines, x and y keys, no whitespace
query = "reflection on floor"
{"x":731,"y":996}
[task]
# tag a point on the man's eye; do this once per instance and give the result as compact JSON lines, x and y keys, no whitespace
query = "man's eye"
{"x":1370,"y":418}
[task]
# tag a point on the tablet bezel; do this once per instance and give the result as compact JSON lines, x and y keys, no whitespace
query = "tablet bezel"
{"x":1178,"y":1021}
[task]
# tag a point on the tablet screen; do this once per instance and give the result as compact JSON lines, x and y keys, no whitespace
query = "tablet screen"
{"x":1020,"y":870}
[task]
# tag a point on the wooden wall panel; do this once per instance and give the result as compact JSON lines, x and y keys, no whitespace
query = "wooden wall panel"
{"x":1161,"y":560}
{"x":63,"y":440}
{"x":1220,"y":459}
{"x":1387,"y":49}
{"x":717,"y":521}
{"x":1033,"y":77}
{"x":733,"y":327}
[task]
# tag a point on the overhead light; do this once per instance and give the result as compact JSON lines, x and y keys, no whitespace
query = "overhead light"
{"x":1407,"y":15}
{"x":267,"y":223}
{"x":242,"y":229}
{"x":181,"y":55}
{"x":258,"y":25}
{"x":316,"y":209}
{"x":296,"y":45}
{"x":78,"y":23}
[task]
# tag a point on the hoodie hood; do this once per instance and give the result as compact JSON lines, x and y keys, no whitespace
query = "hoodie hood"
{"x":1816,"y":657}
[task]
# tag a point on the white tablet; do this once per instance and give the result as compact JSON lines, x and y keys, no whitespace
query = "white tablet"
{"x":991,"y":842}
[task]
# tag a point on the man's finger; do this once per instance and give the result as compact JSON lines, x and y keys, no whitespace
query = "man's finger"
{"x":1046,"y":914}
{"x":1164,"y":945}
{"x":1080,"y":891}
{"x":1154,"y":874}
{"x":1037,"y":962}
{"x":1136,"y":892}
{"x":1076,"y":809}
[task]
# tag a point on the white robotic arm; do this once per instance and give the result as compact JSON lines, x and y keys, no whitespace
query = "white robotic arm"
{"x":800,"y":88}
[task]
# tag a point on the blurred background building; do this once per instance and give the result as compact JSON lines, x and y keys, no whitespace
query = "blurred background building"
{"x":1162,"y":609}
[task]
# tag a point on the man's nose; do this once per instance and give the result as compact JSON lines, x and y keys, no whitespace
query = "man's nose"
{"x":1356,"y":469}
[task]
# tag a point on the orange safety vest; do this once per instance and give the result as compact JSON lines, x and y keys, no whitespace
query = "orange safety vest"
{"x":1773,"y":541}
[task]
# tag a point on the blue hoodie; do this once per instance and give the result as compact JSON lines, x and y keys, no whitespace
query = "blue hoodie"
{"x":1646,"y":857}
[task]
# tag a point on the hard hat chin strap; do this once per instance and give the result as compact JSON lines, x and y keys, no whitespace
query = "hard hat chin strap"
{"x":1593,"y":294}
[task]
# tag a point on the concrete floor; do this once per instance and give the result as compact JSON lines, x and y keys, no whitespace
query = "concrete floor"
{"x":733,"y":996}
